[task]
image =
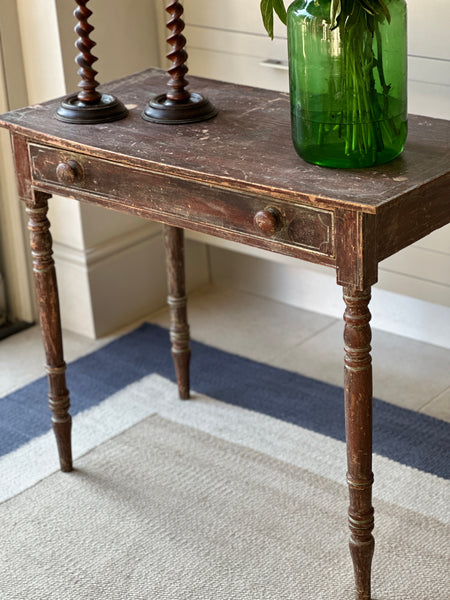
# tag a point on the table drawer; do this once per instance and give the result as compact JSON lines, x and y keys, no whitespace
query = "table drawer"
{"x":190,"y":203}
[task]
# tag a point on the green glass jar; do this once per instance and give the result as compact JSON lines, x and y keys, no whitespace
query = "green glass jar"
{"x":348,"y":76}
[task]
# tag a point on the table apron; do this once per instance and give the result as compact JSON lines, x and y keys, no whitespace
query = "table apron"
{"x":304,"y":232}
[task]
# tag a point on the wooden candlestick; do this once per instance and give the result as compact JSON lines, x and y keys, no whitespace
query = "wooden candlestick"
{"x":178,"y":105}
{"x":88,"y":106}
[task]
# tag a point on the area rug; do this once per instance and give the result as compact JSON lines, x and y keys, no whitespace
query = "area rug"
{"x":237,"y":494}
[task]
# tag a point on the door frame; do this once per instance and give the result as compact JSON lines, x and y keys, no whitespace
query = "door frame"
{"x":13,"y":237}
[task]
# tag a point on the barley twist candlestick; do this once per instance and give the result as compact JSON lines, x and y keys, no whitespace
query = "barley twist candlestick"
{"x":178,"y":105}
{"x":177,"y":55}
{"x":88,"y":106}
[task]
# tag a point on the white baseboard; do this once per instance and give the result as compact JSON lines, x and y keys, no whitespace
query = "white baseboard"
{"x":314,"y":288}
{"x":120,"y":281}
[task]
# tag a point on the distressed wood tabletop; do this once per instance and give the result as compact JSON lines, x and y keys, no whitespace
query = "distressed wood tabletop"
{"x":247,"y":146}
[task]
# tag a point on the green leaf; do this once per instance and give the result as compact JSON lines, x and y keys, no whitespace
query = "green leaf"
{"x":353,"y":18}
{"x":268,"y":7}
{"x":376,"y":7}
{"x":279,"y":8}
{"x":385,"y":10}
{"x":368,"y":7}
{"x":267,"y":16}
{"x":335,"y":13}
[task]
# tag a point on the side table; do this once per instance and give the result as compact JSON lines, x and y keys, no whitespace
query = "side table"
{"x":236,"y":177}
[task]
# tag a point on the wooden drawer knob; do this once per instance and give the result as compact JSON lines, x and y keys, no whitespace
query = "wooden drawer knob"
{"x":69,"y":172}
{"x":268,"y":220}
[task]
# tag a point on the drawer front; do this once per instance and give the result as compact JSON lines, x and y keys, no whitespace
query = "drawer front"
{"x":189,"y":203}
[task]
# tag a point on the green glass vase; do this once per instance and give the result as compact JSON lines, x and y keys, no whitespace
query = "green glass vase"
{"x":348,"y":77}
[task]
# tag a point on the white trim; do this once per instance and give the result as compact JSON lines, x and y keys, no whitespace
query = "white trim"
{"x":2,"y":300}
{"x":88,"y":258}
{"x":116,"y":282}
{"x":13,"y":240}
{"x":41,"y":48}
{"x":104,"y":288}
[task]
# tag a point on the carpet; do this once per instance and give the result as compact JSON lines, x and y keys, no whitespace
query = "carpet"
{"x":237,"y":494}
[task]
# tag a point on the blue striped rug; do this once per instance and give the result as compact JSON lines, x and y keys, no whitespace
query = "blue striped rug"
{"x":402,"y":435}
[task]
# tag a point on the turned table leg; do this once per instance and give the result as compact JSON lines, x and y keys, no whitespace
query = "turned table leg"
{"x":48,"y":302}
{"x":179,"y":328}
{"x":358,"y":422}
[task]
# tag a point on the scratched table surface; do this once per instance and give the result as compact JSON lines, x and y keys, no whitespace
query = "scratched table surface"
{"x":246,"y":147}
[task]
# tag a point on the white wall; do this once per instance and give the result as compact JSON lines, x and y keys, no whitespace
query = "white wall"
{"x":227,"y":41}
{"x":13,"y":94}
{"x":110,"y":267}
{"x":429,"y":58}
{"x":90,"y":289}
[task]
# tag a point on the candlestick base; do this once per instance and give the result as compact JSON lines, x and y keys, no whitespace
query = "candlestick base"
{"x":162,"y":110}
{"x":107,"y":109}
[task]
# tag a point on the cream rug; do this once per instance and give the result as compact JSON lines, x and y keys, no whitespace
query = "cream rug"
{"x":167,"y":512}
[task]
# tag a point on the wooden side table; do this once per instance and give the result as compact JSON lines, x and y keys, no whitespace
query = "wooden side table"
{"x":236,"y":177}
